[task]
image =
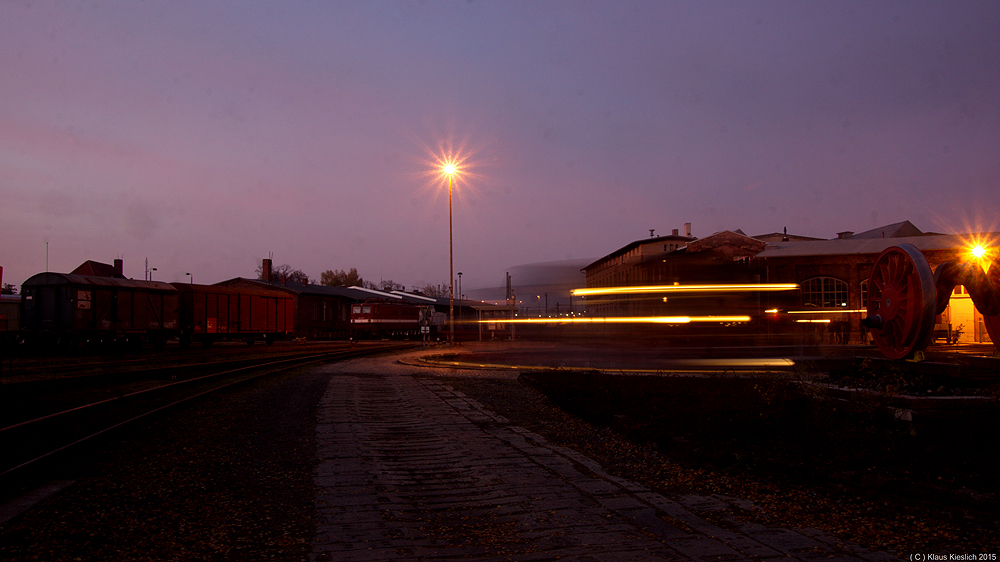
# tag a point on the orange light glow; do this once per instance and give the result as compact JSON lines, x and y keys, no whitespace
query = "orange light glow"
{"x":685,"y":289}
{"x":449,"y":162}
{"x":981,"y":249}
{"x":982,"y":253}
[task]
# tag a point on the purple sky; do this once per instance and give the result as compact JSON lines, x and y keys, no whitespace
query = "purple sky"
{"x":206,"y":135}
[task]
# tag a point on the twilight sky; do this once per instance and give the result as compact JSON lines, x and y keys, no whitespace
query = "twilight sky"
{"x":205,"y":135}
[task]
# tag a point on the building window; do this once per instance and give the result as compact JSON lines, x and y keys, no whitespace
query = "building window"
{"x":864,"y":294}
{"x":824,"y":292}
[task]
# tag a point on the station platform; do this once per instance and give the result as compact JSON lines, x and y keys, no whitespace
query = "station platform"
{"x":409,"y":468}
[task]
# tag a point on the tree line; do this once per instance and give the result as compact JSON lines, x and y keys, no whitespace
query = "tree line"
{"x":348,"y":278}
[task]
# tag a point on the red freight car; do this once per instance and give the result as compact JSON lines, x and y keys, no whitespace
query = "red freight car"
{"x":211,"y":313}
{"x":75,"y":309}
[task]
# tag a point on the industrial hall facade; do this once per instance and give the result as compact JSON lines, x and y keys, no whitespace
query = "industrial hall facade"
{"x":829,"y":279}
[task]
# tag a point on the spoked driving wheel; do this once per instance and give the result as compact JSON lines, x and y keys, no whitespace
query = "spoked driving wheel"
{"x":901,"y":301}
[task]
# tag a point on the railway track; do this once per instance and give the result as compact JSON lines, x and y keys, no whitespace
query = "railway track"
{"x":56,"y":425}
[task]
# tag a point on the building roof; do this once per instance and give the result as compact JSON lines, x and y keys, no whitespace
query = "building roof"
{"x":50,"y":278}
{"x":97,"y":269}
{"x":895,"y":230}
{"x":782,"y":237}
{"x":641,"y":242}
{"x":865,"y":245}
{"x":725,"y":242}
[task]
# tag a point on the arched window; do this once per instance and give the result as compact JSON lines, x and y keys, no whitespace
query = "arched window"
{"x":824,"y":292}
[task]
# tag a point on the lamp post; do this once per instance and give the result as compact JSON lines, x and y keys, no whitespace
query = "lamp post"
{"x":449,"y":170}
{"x":190,"y":278}
{"x":460,"y":297}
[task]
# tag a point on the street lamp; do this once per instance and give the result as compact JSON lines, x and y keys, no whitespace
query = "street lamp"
{"x":449,"y":170}
{"x":190,"y":278}
{"x":460,"y":297}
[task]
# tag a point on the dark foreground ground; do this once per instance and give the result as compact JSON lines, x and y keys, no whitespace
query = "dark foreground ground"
{"x":848,"y":468}
{"x":224,"y":479}
{"x":228,"y":478}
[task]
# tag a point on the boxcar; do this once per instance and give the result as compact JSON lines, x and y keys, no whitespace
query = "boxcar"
{"x":77,"y":309}
{"x":211,"y":313}
{"x":10,"y":317}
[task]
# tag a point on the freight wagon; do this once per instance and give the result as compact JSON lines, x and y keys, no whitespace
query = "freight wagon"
{"x":10,"y":318}
{"x":77,"y":309}
{"x":210,"y":313}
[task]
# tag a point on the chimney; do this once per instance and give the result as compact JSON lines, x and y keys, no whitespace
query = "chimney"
{"x":1,"y":276}
{"x":687,"y":229}
{"x":675,"y":232}
{"x":119,"y":269}
{"x":265,"y":270}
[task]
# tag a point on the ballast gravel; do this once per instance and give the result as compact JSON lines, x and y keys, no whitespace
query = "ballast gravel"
{"x":228,"y":477}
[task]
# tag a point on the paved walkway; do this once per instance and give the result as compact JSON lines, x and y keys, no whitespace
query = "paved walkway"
{"x":410,"y":469}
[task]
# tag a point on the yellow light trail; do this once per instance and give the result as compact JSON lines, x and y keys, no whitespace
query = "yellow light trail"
{"x":620,"y":320}
{"x":832,"y":311}
{"x":685,"y":289}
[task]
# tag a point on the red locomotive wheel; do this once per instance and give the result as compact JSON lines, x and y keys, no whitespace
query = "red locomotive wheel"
{"x":993,"y":322}
{"x":901,"y":301}
{"x":993,"y":328}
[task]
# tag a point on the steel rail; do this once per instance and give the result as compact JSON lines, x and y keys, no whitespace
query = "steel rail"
{"x":153,"y":389}
{"x":298,"y":362}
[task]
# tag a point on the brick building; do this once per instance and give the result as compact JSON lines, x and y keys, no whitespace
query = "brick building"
{"x":832,"y":276}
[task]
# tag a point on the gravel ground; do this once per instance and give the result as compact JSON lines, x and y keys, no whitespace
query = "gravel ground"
{"x":875,"y":523}
{"x":221,"y":479}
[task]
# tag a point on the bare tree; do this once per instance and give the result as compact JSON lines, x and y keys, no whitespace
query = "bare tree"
{"x":434,"y":291}
{"x":387,"y":285}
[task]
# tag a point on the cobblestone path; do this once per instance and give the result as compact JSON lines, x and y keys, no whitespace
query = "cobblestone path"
{"x":410,"y":469}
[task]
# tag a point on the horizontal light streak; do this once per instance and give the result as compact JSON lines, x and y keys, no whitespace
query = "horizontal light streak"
{"x":814,"y":321}
{"x":832,"y":311}
{"x":619,"y":320}
{"x":742,"y":362}
{"x":685,"y":289}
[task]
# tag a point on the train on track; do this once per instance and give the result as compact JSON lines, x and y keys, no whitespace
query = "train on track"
{"x":95,"y":304}
{"x":381,"y":318}
{"x":63,"y":308}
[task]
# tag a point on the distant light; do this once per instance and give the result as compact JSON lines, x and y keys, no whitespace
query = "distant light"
{"x":978,"y":252}
{"x":676,"y":288}
{"x":449,"y":168}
